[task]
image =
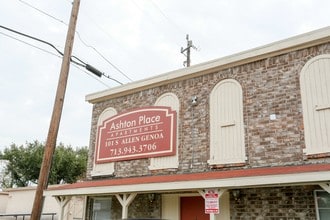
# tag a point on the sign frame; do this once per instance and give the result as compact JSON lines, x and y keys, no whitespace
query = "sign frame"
{"x":139,"y":133}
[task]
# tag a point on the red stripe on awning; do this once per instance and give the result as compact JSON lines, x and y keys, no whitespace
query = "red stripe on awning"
{"x":251,"y":172}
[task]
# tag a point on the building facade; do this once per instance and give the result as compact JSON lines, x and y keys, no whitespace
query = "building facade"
{"x":16,"y":203}
{"x":242,"y":137}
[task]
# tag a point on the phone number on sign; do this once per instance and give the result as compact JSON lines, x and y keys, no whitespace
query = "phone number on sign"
{"x":142,"y":148}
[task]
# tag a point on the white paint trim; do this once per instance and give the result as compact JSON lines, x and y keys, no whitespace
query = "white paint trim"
{"x":284,"y":46}
{"x":220,"y":192}
{"x":239,"y":182}
{"x":62,"y":201}
{"x":325,"y":186}
{"x":125,"y":201}
{"x":170,"y":206}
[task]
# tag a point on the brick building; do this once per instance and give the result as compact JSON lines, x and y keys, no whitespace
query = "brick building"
{"x":252,"y":128}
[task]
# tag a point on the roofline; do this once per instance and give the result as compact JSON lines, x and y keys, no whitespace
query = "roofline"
{"x":25,"y":188}
{"x":253,"y":177}
{"x":279,"y":47}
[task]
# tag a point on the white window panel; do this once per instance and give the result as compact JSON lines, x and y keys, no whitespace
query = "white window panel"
{"x":104,"y":168}
{"x":315,"y":95}
{"x":167,"y":162}
{"x":226,"y":124}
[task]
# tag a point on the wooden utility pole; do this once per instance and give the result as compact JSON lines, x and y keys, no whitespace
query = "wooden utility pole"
{"x":56,"y":116}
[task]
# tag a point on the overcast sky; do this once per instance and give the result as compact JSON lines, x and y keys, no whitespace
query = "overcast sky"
{"x":128,"y":40}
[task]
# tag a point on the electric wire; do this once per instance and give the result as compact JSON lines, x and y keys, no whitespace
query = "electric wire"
{"x":24,"y":42}
{"x":112,"y":39}
{"x":171,"y":22}
{"x":43,"y":12}
{"x":107,"y":60}
{"x":31,"y":37}
{"x":166,"y":17}
{"x":150,"y":16}
{"x":80,"y":38}
{"x":91,"y":75}
{"x":74,"y":64}
{"x":85,"y":65}
{"x":80,"y":63}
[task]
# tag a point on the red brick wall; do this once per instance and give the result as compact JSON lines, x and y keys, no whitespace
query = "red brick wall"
{"x":280,"y":203}
{"x":270,"y":86}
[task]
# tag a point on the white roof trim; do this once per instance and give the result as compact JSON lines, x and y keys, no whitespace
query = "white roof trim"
{"x":298,"y":42}
{"x":239,"y":182}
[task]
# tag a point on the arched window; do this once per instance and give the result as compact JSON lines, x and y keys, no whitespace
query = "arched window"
{"x":315,"y":97}
{"x":226,"y":124}
{"x":169,"y":100}
{"x":104,"y":168}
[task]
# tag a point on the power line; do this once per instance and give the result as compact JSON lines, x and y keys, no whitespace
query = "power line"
{"x":112,"y":39}
{"x":80,"y":38}
{"x":43,"y":12}
{"x":31,"y":37}
{"x":39,"y":48}
{"x":46,"y":51}
{"x":185,"y":51}
{"x":166,"y":17}
{"x":88,"y":73}
{"x":163,"y":15}
{"x":107,"y":60}
{"x":93,"y":70}
{"x":80,"y":63}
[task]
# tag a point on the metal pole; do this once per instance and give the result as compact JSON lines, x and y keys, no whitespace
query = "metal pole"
{"x":189,"y":44}
{"x":56,"y":116}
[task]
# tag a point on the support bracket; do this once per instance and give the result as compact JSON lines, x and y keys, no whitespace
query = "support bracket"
{"x":125,"y":200}
{"x":62,"y":201}
{"x":220,"y":193}
{"x":325,"y":186}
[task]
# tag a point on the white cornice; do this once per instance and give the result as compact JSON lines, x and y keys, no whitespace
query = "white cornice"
{"x":284,"y":46}
{"x":238,"y":182}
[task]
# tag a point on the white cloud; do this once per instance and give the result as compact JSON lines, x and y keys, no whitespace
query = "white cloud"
{"x":134,"y":35}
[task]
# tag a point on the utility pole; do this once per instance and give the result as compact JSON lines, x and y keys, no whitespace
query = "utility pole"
{"x":56,"y":116}
{"x":187,"y":49}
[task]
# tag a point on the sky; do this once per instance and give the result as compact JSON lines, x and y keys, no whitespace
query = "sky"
{"x":128,"y":40}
